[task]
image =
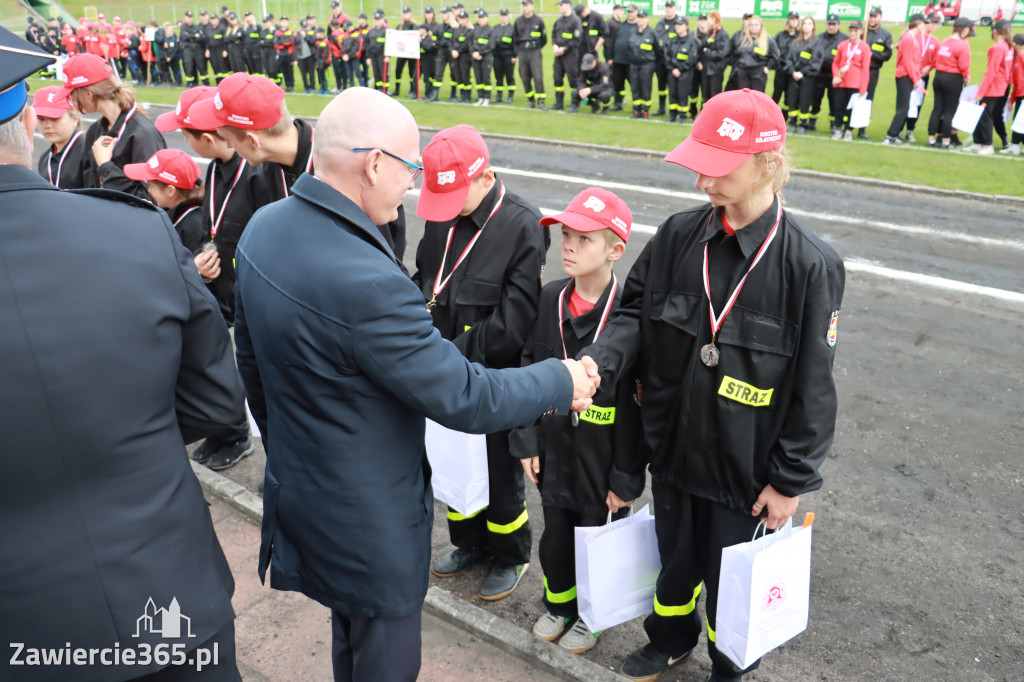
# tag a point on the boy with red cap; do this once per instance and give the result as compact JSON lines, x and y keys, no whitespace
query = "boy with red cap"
{"x":63,"y":161}
{"x":731,"y":315}
{"x":586,"y":466}
{"x":172,"y":178}
{"x":479,"y":267}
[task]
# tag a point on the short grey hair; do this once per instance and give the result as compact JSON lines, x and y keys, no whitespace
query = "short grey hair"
{"x":15,"y":145}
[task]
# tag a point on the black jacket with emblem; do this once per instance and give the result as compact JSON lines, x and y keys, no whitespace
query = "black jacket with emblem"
{"x":579,"y":465}
{"x":137,"y":140}
{"x":805,"y":58}
{"x":644,"y":47}
{"x":880,"y":41}
{"x":715,"y":47}
{"x":766,"y":413}
{"x":682,"y":52}
{"x":529,"y":33}
{"x":567,"y":32}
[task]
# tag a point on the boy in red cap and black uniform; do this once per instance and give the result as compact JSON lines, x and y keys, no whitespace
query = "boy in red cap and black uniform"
{"x":731,"y":313}
{"x":586,"y":466}
{"x":479,"y":266}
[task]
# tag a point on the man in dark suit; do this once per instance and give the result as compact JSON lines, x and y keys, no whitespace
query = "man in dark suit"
{"x":113,"y":355}
{"x":341,"y":364}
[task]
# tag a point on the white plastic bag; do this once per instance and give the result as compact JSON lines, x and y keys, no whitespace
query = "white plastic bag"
{"x":1018,"y":122}
{"x":967,"y":116}
{"x":916,"y":102}
{"x":860,"y":111}
{"x":763,"y":593}
{"x":459,"y":464}
{"x":617,"y":567}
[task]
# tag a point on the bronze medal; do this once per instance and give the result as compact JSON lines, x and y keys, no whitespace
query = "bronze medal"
{"x":709,"y":354}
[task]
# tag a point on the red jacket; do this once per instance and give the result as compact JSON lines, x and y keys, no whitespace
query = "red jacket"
{"x":1017,"y":77}
{"x":954,"y":56}
{"x":929,"y":45}
{"x":908,"y":58}
{"x":856,"y":57}
{"x":997,"y":72}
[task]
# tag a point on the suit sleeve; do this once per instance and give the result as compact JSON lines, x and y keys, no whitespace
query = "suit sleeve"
{"x":524,"y":442}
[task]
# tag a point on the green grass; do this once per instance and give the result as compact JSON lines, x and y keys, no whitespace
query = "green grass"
{"x":913,"y":164}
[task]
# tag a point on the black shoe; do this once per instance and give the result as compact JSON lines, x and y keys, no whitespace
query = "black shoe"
{"x":659,"y":112}
{"x":574,"y":108}
{"x":716,"y":676}
{"x":230,"y":455}
{"x":862,"y":134}
{"x":458,"y":560}
{"x":672,"y":117}
{"x":501,"y":580}
{"x":556,"y":107}
{"x":204,"y":452}
{"x":508,"y":100}
{"x":647,"y":663}
{"x":616,"y":107}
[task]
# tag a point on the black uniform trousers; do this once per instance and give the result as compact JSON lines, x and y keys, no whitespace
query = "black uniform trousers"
{"x":504,"y":76}
{"x":842,"y":98}
{"x":822,"y":88}
{"x":427,"y":63}
{"x":780,"y":90}
{"x":270,"y":67}
{"x":567,"y":68}
{"x":194,"y":64}
{"x":171,"y":70}
{"x":872,"y":83}
{"x":641,"y":80}
{"x":286,"y":70}
{"x":531,"y":75}
{"x":694,"y":103}
{"x":711,"y":85}
{"x":991,"y":118}
{"x":620,"y":77}
{"x":236,"y":59}
{"x":461,"y":74}
{"x":679,"y":91}
{"x":504,"y":525}
{"x":377,"y":62}
{"x":800,"y":96}
{"x":692,"y":532}
{"x":947,"y":97}
{"x":661,"y":72}
{"x":378,"y":649}
{"x":752,"y":77}
{"x":904,"y":87}
{"x":220,"y":64}
{"x":307,"y":69}
{"x":482,"y":75}
{"x":441,"y":61}
{"x":254,"y":60}
{"x":401,"y":64}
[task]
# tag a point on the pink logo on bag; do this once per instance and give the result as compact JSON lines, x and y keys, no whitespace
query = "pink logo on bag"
{"x":776,"y":595}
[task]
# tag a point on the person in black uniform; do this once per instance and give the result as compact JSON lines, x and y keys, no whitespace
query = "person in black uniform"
{"x":268,"y":51}
{"x":235,"y":36}
{"x":482,"y":42}
{"x":217,"y":49}
{"x":284,"y":45}
{"x":123,"y":133}
{"x":644,"y":51}
{"x":566,"y":39}
{"x":321,"y":57}
{"x":879,"y":39}
{"x":63,"y":161}
{"x":443,"y":41}
{"x":460,"y":57}
{"x":172,"y":180}
{"x":529,"y":37}
{"x":681,"y":55}
{"x":595,"y":85}
{"x":108,"y":372}
{"x":699,"y":35}
{"x":193,"y":44}
{"x":401,"y":64}
{"x":620,"y":55}
{"x":803,"y":63}
{"x":830,"y":40}
{"x":665,"y":29}
{"x":374,"y":50}
{"x":783,"y":38}
{"x":251,"y":41}
{"x":485,"y":302}
{"x":584,"y":467}
{"x":595,"y":31}
{"x":714,"y":57}
{"x":731,"y":84}
{"x":735,"y":430}
{"x":756,"y":55}
{"x":504,"y":58}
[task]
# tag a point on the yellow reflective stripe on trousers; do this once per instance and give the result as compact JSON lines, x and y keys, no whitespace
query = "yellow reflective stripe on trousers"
{"x":509,"y":527}
{"x":711,"y":632}
{"x":684,"y":610}
{"x":559,"y":597}
{"x":456,"y":516}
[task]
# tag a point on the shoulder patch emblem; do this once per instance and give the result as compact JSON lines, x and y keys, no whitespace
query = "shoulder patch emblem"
{"x":833,"y":326}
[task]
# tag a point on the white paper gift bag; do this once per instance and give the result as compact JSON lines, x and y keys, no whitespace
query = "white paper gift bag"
{"x":617,"y":567}
{"x":763,"y":593}
{"x":459,"y":464}
{"x":967,"y":116}
{"x":1018,"y":122}
{"x":860,"y":111}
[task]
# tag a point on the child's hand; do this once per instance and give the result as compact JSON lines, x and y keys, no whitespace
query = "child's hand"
{"x":531,"y":466}
{"x":615,"y":503}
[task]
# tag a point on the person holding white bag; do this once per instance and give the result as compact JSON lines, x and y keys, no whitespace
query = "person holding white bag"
{"x":993,"y":91}
{"x":952,"y":72}
{"x":908,"y":76}
{"x":731,"y":315}
{"x":1016,"y":95}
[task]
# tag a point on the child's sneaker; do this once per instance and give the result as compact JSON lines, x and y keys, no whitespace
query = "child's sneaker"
{"x":579,"y":639}
{"x":550,"y":627}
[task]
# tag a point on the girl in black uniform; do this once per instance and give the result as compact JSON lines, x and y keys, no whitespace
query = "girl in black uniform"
{"x":756,"y":55}
{"x":803,"y":62}
{"x":61,"y":163}
{"x":123,"y":134}
{"x":172,"y":179}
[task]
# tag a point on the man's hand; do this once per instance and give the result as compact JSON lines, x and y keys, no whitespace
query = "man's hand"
{"x":103,"y":149}
{"x":531,"y":467}
{"x":585,"y":380}
{"x":208,"y":264}
{"x":585,"y":92}
{"x":615,"y":503}
{"x":774,"y":507}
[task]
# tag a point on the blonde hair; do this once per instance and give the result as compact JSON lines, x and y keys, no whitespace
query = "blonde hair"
{"x":611,"y":238}
{"x":910,"y":27}
{"x":111,"y":88}
{"x":775,"y":169}
{"x":762,"y":39}
{"x":276,"y":130}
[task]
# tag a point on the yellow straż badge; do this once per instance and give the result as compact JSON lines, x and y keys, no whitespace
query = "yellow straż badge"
{"x":742,"y":392}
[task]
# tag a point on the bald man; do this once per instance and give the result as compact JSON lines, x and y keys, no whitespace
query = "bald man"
{"x":341,"y":364}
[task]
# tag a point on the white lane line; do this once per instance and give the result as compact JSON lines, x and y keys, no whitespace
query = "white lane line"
{"x":918,"y":230}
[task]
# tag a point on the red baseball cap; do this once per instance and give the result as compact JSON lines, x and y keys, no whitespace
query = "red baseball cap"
{"x":84,"y":69}
{"x":51,"y":102}
{"x":242,"y":101}
{"x":595,"y":209}
{"x":732,"y":127}
{"x":177,"y":119}
{"x":452,"y":160}
{"x":170,"y":166}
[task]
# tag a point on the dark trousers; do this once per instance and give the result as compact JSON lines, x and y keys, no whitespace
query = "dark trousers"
{"x":823,"y":88}
{"x":710,"y":85}
{"x":620,"y":77}
{"x":800,"y":94}
{"x":461,"y":73}
{"x":375,"y":649}
{"x":321,"y":73}
{"x":842,"y":100}
{"x":947,"y":96}
{"x":270,"y":67}
{"x":503,"y":525}
{"x":991,"y":118}
{"x":566,"y":69}
{"x":733,"y":82}
{"x":377,"y":62}
{"x":219,"y":62}
{"x":286,"y":68}
{"x":1017,"y":138}
{"x":530,"y":73}
{"x":504,"y":75}
{"x":341,"y":73}
{"x":912,"y":122}
{"x":254,"y":60}
{"x":558,"y":557}
{"x":440,"y":63}
{"x":225,"y":671}
{"x":236,"y":59}
{"x":679,"y":91}
{"x":780,"y":89}
{"x":482,"y":74}
{"x":194,"y":64}
{"x":872,"y":83}
{"x":427,"y":62}
{"x":695,"y":94}
{"x":307,"y":68}
{"x":691,"y":534}
{"x":661,"y":73}
{"x":752,"y":77}
{"x":641,"y":80}
{"x":904,"y":87}
{"x":400,"y":66}
{"x":233,"y":434}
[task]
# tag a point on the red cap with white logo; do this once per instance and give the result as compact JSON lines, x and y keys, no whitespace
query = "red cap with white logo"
{"x":51,"y":102}
{"x":454,"y":158}
{"x":595,"y":209}
{"x":177,"y":119}
{"x":169,"y":166}
{"x":732,"y":127}
{"x":242,"y":101}
{"x":82,"y":70}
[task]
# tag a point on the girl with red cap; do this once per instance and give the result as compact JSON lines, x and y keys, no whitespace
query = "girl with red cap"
{"x":851,"y":72}
{"x":122,"y":135}
{"x":61,"y":164}
{"x":993,"y":90}
{"x":172,"y":179}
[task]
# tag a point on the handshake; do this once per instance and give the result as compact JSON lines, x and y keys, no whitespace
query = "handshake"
{"x":585,"y":382}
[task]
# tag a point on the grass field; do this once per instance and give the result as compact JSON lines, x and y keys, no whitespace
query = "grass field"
{"x":914,"y":164}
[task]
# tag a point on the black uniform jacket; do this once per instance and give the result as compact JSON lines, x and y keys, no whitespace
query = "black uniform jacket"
{"x":139,"y":141}
{"x":481,"y":40}
{"x":188,"y":223}
{"x":830,"y":45}
{"x":106,"y":373}
{"x":682,"y":53}
{"x":598,"y":79}
{"x":783,"y":40}
{"x":754,"y":56}
{"x":715,"y":52}
{"x":192,"y":36}
{"x":567,"y":32}
{"x":766,"y":413}
{"x":529,"y":34}
{"x":489,"y":306}
{"x":580,"y":464}
{"x":880,"y":41}
{"x":279,"y":178}
{"x":643,"y":46}
{"x":64,"y":169}
{"x":804,"y":58}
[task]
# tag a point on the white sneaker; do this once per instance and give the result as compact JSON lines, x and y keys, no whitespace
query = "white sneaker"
{"x":579,"y":639}
{"x":1013,"y":150}
{"x":970,"y":148}
{"x":987,"y":150}
{"x":848,"y":136}
{"x":550,"y":627}
{"x":837,"y":135}
{"x":486,"y":102}
{"x":479,"y":103}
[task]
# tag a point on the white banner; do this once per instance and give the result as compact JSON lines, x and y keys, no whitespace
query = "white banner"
{"x":402,"y":44}
{"x":810,"y":8}
{"x":734,"y":9}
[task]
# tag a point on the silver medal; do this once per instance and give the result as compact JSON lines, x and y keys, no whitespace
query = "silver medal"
{"x":709,"y":355}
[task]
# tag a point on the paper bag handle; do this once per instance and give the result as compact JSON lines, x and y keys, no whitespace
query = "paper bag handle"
{"x":763,"y":527}
{"x":609,"y":519}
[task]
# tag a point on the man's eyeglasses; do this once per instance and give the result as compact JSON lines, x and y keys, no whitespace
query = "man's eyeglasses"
{"x":414,"y":170}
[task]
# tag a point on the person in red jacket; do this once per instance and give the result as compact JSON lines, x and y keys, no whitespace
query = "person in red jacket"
{"x":993,"y":90}
{"x":851,"y":71}
{"x":952,"y":72}
{"x":908,"y":76}
{"x":1017,"y":94}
